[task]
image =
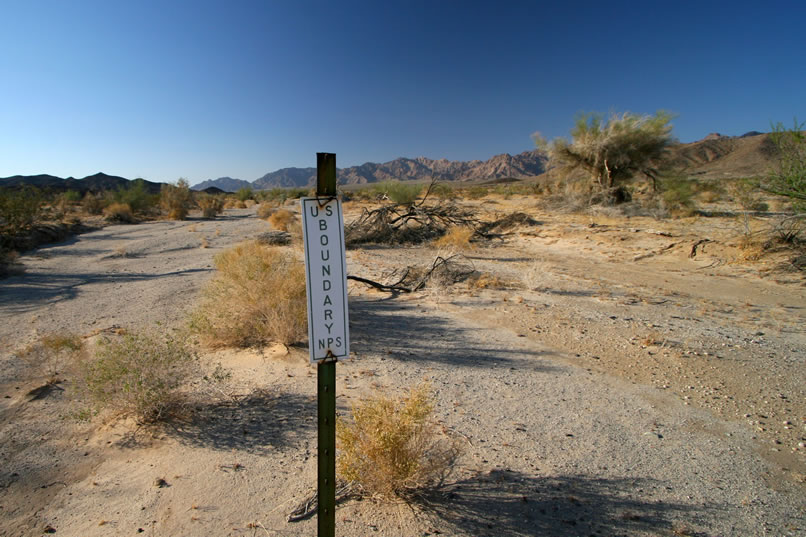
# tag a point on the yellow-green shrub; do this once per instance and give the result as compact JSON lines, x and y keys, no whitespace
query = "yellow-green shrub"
{"x":257,"y":297}
{"x":392,"y":447}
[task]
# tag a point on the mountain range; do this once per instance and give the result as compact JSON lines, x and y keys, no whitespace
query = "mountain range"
{"x":715,"y":156}
{"x":526,"y":164}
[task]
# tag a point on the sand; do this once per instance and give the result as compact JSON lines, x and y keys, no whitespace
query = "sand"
{"x":607,"y":384}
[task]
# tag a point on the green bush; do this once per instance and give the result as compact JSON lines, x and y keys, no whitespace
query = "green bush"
{"x":400,"y":193}
{"x":788,"y":176}
{"x":139,"y":375}
{"x":678,"y":195}
{"x":136,"y":196}
{"x":19,"y":210}
{"x":244,"y":194}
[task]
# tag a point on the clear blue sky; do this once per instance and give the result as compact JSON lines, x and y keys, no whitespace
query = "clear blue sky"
{"x":201,"y":89}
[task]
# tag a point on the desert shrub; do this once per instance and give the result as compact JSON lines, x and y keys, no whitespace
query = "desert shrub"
{"x":177,"y":199}
{"x":612,"y":151}
{"x":457,"y":238}
{"x":746,"y":194}
{"x":475,"y":192}
{"x":281,"y":219}
{"x":678,"y":195}
{"x":788,"y":175}
{"x":256,"y":297}
{"x":136,"y":196}
{"x":265,"y":210}
{"x":92,"y":204}
{"x":443,"y":191}
{"x":211,"y":206}
{"x":119,"y":212}
{"x":238,"y":204}
{"x":139,"y":375}
{"x":71,"y":196}
{"x":9,"y":264}
{"x":244,"y":194}
{"x":59,"y":341}
{"x":392,"y":448}
{"x":19,"y":209}
{"x":400,"y":193}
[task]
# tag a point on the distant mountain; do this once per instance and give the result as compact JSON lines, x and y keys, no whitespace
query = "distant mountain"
{"x":287,"y":177}
{"x":92,"y":183}
{"x":526,"y":164}
{"x":227,"y":184}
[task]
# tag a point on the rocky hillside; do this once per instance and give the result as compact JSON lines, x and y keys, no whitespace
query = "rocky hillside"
{"x":526,"y":164}
{"x":227,"y":184}
{"x":100,"y":182}
{"x":718,"y":156}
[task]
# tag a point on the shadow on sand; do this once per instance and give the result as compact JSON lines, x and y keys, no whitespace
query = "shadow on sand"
{"x":401,"y":331}
{"x":502,"y":502}
{"x":258,"y":423}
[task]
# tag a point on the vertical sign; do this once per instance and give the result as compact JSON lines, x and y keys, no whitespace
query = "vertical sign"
{"x":326,"y":278}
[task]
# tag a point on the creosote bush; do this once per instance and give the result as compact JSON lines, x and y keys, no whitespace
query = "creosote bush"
{"x":257,"y":297}
{"x":392,"y":448}
{"x":139,"y":375}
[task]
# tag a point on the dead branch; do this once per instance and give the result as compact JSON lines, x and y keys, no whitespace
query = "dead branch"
{"x":446,"y":269}
{"x":402,"y":223}
{"x":693,"y":253}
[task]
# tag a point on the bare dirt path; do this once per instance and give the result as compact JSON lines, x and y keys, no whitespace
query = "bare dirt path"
{"x":605,"y":397}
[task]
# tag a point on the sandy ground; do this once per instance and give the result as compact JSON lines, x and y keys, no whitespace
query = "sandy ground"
{"x":609,"y":384}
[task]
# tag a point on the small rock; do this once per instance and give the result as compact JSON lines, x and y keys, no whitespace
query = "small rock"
{"x":160,"y":483}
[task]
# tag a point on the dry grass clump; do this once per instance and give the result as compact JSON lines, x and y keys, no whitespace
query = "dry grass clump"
{"x":265,"y":210}
{"x":139,"y":375}
{"x":486,"y":280}
{"x":51,"y":355}
{"x":457,"y":238}
{"x":119,"y":212}
{"x":257,"y":297}
{"x":392,"y":448}
{"x":281,"y":219}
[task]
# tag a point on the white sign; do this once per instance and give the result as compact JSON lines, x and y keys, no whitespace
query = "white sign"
{"x":326,"y":278}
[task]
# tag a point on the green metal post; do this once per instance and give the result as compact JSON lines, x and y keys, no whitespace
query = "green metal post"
{"x":326,"y":389}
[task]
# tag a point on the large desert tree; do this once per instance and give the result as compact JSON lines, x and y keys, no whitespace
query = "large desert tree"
{"x":788,"y":176}
{"x":615,"y":150}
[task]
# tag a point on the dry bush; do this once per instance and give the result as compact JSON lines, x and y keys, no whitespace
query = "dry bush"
{"x":535,"y":275}
{"x":177,"y":199}
{"x":9,"y":263}
{"x":249,"y":203}
{"x":92,"y":204}
{"x":257,"y":297}
{"x":393,"y":448}
{"x":265,"y":210}
{"x":456,"y":238}
{"x":238,"y":204}
{"x":281,"y":219}
{"x":487,"y":280}
{"x":51,"y":355}
{"x":211,"y":206}
{"x":119,"y":212}
{"x":139,"y":375}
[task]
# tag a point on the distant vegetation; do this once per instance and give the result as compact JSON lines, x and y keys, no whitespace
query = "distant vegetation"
{"x":788,"y":176}
{"x":611,"y":152}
